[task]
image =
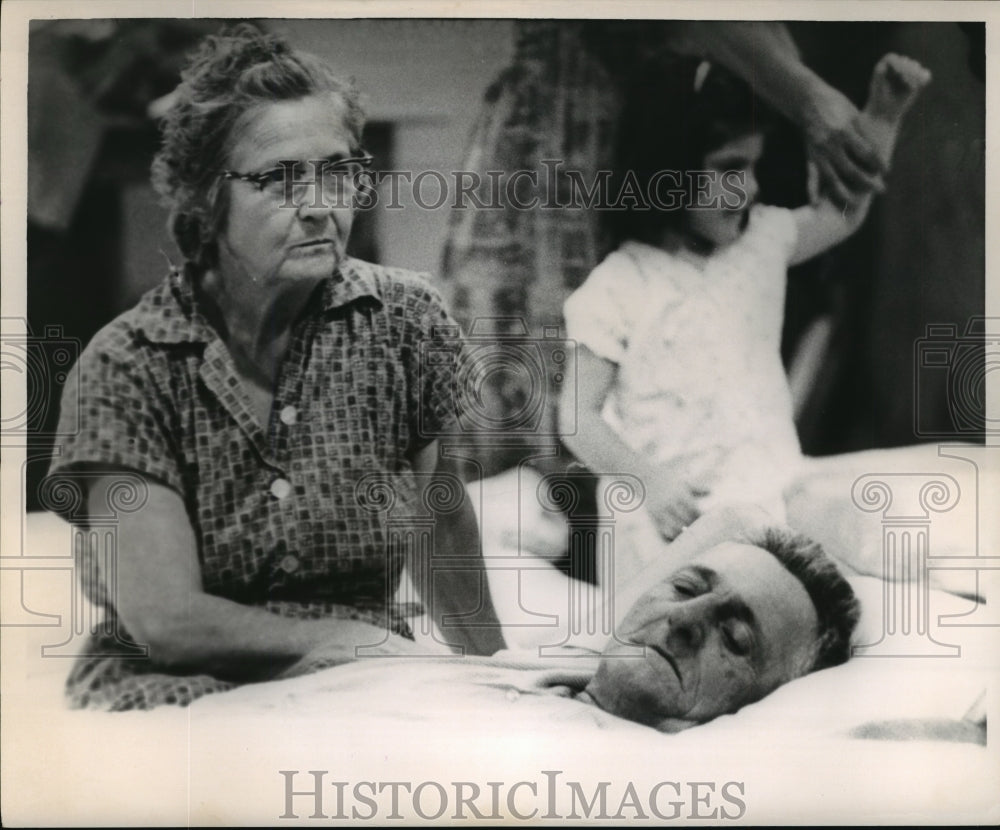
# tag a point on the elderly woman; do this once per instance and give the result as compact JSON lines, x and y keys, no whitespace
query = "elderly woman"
{"x":255,"y":391}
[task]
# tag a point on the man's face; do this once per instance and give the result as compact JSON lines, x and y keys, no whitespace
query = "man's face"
{"x":724,"y":630}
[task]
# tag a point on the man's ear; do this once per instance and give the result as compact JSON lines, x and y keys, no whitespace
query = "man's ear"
{"x":672,"y":725}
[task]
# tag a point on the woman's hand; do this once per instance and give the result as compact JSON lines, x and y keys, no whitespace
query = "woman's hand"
{"x":848,"y":164}
{"x":350,"y":641}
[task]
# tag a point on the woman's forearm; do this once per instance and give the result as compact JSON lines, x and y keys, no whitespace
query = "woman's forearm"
{"x":238,"y":642}
{"x":162,"y":603}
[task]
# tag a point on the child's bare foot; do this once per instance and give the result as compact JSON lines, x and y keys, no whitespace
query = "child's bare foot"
{"x":896,"y":82}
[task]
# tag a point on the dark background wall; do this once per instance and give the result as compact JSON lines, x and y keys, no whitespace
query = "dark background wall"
{"x":920,"y":258}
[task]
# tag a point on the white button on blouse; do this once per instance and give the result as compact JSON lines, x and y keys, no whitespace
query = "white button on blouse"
{"x":280,"y":488}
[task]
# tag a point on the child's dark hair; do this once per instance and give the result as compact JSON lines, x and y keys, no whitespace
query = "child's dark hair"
{"x":677,"y":110}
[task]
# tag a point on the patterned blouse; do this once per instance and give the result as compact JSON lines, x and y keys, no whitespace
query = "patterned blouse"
{"x":279,"y":514}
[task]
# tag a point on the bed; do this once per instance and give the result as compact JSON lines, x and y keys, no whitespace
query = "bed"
{"x":889,"y":737}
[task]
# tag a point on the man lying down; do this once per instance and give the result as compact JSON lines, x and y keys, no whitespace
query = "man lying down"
{"x":742,"y":609}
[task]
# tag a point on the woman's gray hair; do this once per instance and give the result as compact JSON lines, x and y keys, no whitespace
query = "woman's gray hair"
{"x":232,"y":72}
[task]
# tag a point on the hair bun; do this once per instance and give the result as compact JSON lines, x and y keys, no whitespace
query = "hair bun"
{"x":241,"y":46}
{"x":257,"y":45}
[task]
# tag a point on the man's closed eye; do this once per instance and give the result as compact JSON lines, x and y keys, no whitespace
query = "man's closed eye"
{"x":738,"y":638}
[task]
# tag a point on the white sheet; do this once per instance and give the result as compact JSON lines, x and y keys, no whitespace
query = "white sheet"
{"x":218,"y":761}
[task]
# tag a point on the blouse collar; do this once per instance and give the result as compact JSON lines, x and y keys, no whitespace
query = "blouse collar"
{"x":171,"y":312}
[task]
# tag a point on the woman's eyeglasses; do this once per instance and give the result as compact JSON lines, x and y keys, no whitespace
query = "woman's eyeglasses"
{"x":333,"y":177}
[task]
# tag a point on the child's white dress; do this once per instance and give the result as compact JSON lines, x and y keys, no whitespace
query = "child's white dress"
{"x":697,"y":345}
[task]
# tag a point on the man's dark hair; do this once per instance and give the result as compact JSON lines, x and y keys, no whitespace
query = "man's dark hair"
{"x":837,"y":608}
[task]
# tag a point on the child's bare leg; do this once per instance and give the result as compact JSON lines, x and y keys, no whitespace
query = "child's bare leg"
{"x":896,"y":81}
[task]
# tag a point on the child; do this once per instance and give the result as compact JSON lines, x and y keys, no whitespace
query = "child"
{"x":680,"y":379}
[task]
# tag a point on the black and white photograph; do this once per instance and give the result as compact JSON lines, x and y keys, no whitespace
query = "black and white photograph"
{"x":530,"y":414}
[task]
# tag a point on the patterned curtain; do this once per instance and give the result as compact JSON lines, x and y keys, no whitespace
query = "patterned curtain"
{"x":507,"y":269}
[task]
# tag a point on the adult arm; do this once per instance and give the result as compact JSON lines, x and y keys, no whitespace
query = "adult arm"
{"x":764,"y":54}
{"x":896,"y":81}
{"x":160,"y":598}
{"x":459,"y":603}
